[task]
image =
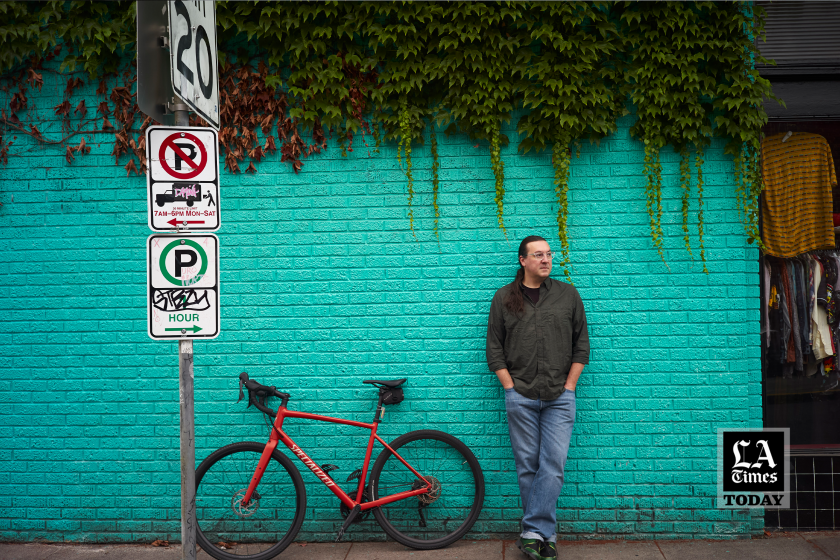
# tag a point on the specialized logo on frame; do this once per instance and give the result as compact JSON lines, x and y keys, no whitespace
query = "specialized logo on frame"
{"x":753,"y":468}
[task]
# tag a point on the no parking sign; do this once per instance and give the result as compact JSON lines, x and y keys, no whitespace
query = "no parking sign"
{"x":183,"y":178}
{"x":183,"y":286}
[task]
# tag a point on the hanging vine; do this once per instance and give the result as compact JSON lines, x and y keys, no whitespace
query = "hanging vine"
{"x":561,"y":159}
{"x":685,"y":185}
{"x":435,"y":179}
{"x":295,"y":74}
{"x":404,"y":146}
{"x":499,"y":173}
{"x":653,"y":194}
{"x":698,"y":163}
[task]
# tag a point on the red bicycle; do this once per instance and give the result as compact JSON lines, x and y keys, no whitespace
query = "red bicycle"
{"x":426,"y":487}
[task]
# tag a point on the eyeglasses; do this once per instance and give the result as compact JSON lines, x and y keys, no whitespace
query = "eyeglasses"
{"x":539,"y":256}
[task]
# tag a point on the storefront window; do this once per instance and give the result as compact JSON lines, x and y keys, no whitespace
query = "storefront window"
{"x":801,"y":289}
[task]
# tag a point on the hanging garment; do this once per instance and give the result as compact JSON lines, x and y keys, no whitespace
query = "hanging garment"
{"x":775,"y":315}
{"x":790,"y":345}
{"x":797,"y":204}
{"x":801,"y":307}
{"x":804,"y":270}
{"x":794,"y":309}
{"x":765,"y":327}
{"x":820,"y":330}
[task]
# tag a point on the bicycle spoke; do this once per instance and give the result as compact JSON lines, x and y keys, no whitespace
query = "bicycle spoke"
{"x":236,"y":529}
{"x":445,"y":509}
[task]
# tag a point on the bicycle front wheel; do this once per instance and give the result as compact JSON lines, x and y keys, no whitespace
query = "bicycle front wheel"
{"x":227,"y":528}
{"x":448,"y":511}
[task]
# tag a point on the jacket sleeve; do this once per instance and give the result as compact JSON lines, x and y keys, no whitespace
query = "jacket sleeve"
{"x":496,"y":336}
{"x":580,"y":334}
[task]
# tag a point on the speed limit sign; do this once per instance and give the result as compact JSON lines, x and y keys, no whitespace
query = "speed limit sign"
{"x":192,"y":45}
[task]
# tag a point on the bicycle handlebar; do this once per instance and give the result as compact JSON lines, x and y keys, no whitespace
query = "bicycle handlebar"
{"x":262,"y":393}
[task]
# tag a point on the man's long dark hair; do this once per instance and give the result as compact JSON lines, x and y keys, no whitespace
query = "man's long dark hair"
{"x":513,"y":300}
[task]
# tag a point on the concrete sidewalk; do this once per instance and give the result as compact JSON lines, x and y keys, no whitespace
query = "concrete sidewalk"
{"x":782,"y":546}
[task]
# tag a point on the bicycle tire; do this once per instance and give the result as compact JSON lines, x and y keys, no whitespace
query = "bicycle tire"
{"x":226,"y":530}
{"x":459,"y":499}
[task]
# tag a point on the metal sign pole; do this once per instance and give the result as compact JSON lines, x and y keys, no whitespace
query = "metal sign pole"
{"x":185,"y":392}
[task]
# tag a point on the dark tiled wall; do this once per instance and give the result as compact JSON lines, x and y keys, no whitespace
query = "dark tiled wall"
{"x":815,"y":484}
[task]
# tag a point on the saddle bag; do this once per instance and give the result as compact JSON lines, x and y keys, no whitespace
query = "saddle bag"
{"x":392,"y":396}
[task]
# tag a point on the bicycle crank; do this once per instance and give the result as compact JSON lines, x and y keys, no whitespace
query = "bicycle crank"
{"x":245,"y":510}
{"x":361,"y":516}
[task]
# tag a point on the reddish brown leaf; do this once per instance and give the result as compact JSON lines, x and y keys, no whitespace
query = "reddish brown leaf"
{"x":251,"y":168}
{"x":63,"y":109}
{"x":68,"y":155}
{"x":35,"y":79}
{"x":36,"y":133}
{"x":106,"y":124}
{"x":81,"y":108}
{"x":18,"y":102}
{"x":269,"y":145}
{"x":129,"y":167}
{"x":256,"y":154}
{"x":103,"y":87}
{"x":72,"y":84}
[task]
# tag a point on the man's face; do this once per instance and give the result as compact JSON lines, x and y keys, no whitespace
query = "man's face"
{"x":534,"y":267}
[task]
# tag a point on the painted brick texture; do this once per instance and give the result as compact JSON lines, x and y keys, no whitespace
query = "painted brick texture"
{"x":324,"y":285}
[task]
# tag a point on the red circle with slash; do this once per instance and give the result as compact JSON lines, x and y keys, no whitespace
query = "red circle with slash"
{"x":169,"y":144}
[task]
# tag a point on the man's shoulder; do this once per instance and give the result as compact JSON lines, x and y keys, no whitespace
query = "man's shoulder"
{"x":503,"y":291}
{"x":563,"y":289}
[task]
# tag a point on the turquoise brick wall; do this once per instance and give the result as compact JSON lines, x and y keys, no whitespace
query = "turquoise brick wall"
{"x":323,"y":286}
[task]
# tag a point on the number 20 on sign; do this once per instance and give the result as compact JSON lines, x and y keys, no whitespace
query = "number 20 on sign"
{"x":183,"y":286}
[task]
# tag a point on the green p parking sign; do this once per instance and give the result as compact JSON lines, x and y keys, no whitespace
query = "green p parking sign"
{"x":183,"y":286}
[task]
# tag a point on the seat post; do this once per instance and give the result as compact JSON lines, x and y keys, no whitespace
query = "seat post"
{"x":378,"y":414}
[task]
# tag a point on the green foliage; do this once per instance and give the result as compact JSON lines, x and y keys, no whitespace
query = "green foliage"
{"x":698,"y":163}
{"x":561,"y":159}
{"x":499,"y":172}
{"x":405,"y":145}
{"x":435,"y":180}
{"x":95,"y":34}
{"x":355,"y":68}
{"x":685,"y":185}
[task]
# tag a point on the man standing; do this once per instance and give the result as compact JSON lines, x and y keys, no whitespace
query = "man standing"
{"x":537,"y":344}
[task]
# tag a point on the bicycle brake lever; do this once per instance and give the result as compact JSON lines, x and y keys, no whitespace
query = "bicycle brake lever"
{"x":241,"y":394}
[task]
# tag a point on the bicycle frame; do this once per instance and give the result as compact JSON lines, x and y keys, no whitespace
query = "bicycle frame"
{"x":277,"y":434}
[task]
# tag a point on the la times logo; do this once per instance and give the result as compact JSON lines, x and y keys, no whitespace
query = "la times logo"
{"x":740,"y":472}
{"x":753,"y":463}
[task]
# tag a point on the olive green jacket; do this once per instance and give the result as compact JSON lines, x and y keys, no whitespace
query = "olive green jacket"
{"x":538,"y":347}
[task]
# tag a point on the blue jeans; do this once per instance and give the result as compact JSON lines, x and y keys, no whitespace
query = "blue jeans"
{"x":540,"y":432}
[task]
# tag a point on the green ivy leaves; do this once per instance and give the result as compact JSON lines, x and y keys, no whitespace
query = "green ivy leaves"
{"x":350,"y":68}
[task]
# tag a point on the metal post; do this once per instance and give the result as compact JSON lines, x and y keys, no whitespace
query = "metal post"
{"x":185,"y":392}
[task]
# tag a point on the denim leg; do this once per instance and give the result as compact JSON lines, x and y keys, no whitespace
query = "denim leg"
{"x":544,"y":463}
{"x":524,"y":426}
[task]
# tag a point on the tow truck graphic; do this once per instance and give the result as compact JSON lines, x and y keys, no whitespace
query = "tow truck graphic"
{"x":180,"y":192}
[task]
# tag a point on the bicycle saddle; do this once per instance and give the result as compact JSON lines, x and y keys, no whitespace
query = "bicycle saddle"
{"x":393,"y":384}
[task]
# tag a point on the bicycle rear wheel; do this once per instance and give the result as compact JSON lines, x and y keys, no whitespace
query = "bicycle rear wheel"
{"x":227,"y":529}
{"x":444,"y":515}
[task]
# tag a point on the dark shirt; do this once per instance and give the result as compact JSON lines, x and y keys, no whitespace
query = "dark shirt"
{"x":539,"y":346}
{"x":533,"y":293}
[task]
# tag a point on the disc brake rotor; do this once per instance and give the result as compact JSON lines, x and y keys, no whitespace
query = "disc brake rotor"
{"x":241,"y":509}
{"x":433,"y":493}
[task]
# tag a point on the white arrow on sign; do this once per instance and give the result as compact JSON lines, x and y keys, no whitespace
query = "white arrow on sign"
{"x":195,"y":61}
